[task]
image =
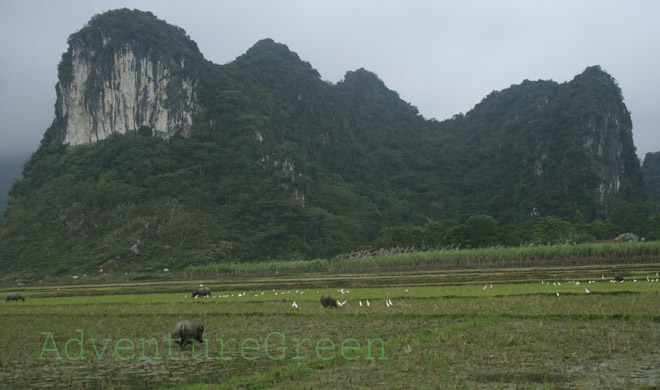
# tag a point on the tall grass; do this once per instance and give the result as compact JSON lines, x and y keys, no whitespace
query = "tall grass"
{"x":317,"y":265}
{"x":556,"y":255}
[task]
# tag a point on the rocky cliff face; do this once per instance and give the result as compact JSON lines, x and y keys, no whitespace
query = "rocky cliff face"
{"x":111,"y":82}
{"x":604,"y":143}
{"x":604,"y":122}
{"x":138,"y":91}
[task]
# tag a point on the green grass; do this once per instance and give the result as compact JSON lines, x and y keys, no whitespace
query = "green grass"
{"x":445,"y":329}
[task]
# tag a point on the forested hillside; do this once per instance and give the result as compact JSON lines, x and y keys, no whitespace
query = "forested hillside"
{"x":279,"y":164}
{"x":651,"y":170}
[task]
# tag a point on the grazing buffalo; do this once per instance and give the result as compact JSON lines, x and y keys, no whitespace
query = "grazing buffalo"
{"x":202,"y":292}
{"x":184,"y":331}
{"x":618,"y":278}
{"x":326,"y":301}
{"x":15,"y":297}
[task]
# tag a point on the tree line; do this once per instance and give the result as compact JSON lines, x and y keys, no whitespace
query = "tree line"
{"x":482,"y":231}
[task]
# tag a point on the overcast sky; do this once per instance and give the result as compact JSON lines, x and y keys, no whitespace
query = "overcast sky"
{"x":441,"y":56}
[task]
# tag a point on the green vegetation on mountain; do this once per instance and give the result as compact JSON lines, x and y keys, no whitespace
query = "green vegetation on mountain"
{"x":111,"y":32}
{"x":651,"y":170}
{"x":282,"y":165}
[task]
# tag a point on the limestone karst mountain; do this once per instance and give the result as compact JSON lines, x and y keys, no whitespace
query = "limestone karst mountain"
{"x":125,"y":70}
{"x":159,"y":158}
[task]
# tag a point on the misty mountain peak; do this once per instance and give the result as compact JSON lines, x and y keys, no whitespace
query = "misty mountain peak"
{"x":142,"y":31}
{"x":268,"y":56}
{"x":123,"y":71}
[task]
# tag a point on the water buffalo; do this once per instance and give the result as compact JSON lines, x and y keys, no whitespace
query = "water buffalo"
{"x":618,"y":278}
{"x":202,"y":292}
{"x":15,"y":297}
{"x":326,"y":301}
{"x":184,"y":331}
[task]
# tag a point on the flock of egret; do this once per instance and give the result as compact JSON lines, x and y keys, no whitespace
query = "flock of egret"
{"x":388,"y":302}
{"x":617,"y":279}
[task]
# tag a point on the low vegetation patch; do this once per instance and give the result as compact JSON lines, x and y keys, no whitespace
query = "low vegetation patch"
{"x":533,"y":256}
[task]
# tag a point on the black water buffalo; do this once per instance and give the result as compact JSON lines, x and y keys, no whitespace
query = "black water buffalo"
{"x":326,"y":301}
{"x":15,"y":297}
{"x":618,"y":278}
{"x":202,"y":292}
{"x":184,"y":331}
